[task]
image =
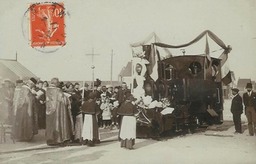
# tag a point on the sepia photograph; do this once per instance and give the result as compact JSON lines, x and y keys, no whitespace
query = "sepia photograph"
{"x":127,"y":82}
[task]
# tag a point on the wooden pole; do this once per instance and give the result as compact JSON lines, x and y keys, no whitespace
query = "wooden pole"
{"x":111,"y":69}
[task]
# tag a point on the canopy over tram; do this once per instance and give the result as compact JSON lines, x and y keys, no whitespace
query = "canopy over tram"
{"x":148,"y":52}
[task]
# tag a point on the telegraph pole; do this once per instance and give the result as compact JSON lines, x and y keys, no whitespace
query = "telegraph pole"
{"x":111,"y":69}
{"x":92,"y":67}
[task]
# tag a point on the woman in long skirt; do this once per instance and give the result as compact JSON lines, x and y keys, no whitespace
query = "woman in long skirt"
{"x":90,"y":132}
{"x":128,"y":125}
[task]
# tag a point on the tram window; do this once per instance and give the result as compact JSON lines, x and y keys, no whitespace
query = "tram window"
{"x":169,"y":72}
{"x":195,"y":68}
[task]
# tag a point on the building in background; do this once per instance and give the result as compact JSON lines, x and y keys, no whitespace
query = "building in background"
{"x":126,"y":74}
{"x":13,"y":70}
{"x":241,"y":83}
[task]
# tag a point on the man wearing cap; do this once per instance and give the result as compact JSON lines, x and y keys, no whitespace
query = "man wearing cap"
{"x":25,"y":123}
{"x":237,"y":109}
{"x":250,"y":108}
{"x":59,"y":122}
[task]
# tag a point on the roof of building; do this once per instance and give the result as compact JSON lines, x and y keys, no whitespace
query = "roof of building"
{"x":241,"y":83}
{"x":13,"y":70}
{"x":127,"y":70}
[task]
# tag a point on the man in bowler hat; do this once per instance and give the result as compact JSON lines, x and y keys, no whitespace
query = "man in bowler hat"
{"x":237,"y":109}
{"x":250,"y":108}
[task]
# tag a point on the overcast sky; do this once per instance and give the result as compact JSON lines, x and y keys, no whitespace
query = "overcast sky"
{"x":114,"y":24}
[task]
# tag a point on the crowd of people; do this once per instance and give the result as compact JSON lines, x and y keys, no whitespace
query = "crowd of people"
{"x":68,"y":112}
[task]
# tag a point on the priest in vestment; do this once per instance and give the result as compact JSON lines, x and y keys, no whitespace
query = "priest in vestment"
{"x":24,"y":113}
{"x":59,"y":123}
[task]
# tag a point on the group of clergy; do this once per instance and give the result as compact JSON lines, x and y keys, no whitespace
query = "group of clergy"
{"x":34,"y":105}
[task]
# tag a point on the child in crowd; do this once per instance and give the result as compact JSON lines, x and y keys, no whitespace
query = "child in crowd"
{"x":106,"y":108}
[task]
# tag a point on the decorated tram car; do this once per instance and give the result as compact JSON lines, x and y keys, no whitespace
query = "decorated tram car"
{"x":192,"y":85}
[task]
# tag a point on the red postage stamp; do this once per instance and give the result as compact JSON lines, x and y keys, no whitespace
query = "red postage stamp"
{"x":47,"y":27}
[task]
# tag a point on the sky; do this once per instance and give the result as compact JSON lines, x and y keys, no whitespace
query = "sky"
{"x":113,"y":24}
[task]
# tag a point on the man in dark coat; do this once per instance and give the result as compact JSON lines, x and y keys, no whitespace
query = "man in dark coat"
{"x":250,"y":108}
{"x":40,"y":104}
{"x":76,"y":102}
{"x":237,"y":110}
{"x":120,"y":97}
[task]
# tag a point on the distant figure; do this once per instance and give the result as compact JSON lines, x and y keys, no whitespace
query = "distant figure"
{"x":40,"y":103}
{"x":128,"y":125}
{"x":106,"y":108}
{"x":76,"y":102}
{"x":250,"y":108}
{"x":110,"y":92}
{"x":237,"y":110}
{"x":90,"y":132}
{"x":45,"y":85}
{"x":7,"y":93}
{"x":86,"y":92}
{"x":59,"y":123}
{"x":25,"y":123}
{"x":19,"y":84}
{"x":120,"y":97}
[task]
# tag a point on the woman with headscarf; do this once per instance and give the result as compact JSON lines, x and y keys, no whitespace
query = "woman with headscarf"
{"x":128,"y":125}
{"x":90,"y":132}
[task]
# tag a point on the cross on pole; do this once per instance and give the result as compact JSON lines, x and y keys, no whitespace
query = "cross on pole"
{"x":92,"y":67}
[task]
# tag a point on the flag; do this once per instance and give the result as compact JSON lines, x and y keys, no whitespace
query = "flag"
{"x":150,"y":55}
{"x":226,"y":74}
{"x":227,"y":79}
{"x":207,"y":53}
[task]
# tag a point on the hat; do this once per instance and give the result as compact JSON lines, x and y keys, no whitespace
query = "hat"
{"x":33,"y":80}
{"x":68,"y":84}
{"x":86,"y":85}
{"x":19,"y":81}
{"x":248,"y":85}
{"x":235,"y":90}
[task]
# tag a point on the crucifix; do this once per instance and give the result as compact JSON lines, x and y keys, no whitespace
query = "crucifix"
{"x":92,"y":67}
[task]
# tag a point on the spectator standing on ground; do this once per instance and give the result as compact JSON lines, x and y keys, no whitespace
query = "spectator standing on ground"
{"x":237,"y":109}
{"x":250,"y":108}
